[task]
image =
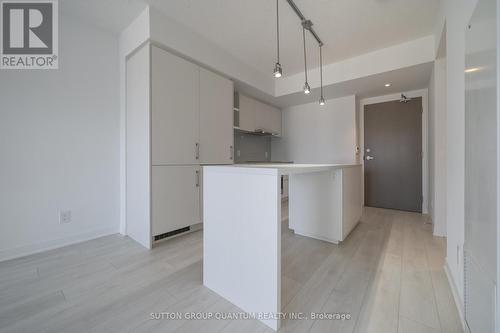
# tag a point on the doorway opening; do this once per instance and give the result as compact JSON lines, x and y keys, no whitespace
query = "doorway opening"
{"x":393,"y":154}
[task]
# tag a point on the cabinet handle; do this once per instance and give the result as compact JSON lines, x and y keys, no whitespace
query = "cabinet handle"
{"x":231,"y":152}
{"x":197,"y":178}
{"x":197,"y":150}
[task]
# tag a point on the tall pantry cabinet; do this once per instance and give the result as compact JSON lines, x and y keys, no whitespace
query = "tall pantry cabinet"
{"x":179,"y":117}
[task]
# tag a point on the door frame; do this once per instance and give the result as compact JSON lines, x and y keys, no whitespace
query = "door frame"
{"x":394,"y":97}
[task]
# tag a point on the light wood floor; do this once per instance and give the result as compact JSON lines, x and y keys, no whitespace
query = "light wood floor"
{"x":387,"y":275}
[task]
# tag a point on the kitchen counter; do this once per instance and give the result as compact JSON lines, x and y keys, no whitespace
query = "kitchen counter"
{"x":242,"y":224}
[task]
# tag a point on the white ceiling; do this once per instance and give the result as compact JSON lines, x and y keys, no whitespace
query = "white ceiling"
{"x":112,"y":15}
{"x":246,"y":28}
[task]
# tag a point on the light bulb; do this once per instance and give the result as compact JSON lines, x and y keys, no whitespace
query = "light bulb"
{"x":321,"y":101}
{"x":307,"y":89}
{"x":277,"y":70}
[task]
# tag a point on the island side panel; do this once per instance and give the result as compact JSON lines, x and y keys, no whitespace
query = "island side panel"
{"x":315,"y":204}
{"x":242,"y":238}
{"x":352,"y":203}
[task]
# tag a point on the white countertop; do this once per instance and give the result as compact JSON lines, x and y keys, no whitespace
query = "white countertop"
{"x":285,"y":168}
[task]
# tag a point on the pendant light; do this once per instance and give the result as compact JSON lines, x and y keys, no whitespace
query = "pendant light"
{"x":277,"y":67}
{"x":306,"y":25}
{"x":307,"y":89}
{"x":321,"y":99}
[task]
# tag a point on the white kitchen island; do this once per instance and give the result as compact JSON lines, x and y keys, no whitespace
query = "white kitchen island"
{"x":242,"y":225}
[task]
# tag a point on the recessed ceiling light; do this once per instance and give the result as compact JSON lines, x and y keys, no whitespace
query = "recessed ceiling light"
{"x":388,"y":85}
{"x":472,"y":69}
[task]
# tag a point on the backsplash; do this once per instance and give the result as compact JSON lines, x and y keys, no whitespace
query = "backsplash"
{"x":248,"y":147}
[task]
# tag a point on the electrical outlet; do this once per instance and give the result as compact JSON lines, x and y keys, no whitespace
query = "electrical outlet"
{"x":266,"y":154}
{"x":238,"y":153}
{"x":64,"y":216}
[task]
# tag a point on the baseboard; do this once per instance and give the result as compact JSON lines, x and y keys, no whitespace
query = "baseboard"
{"x":454,"y":292}
{"x":322,"y":238}
{"x":26,"y":250}
{"x":437,"y":232}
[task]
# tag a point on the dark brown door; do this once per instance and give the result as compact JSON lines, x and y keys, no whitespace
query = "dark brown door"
{"x":393,"y":155}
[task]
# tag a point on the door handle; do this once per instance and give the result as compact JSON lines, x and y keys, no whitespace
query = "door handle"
{"x":231,"y":152}
{"x":197,"y":178}
{"x":369,"y":158}
{"x":197,"y":150}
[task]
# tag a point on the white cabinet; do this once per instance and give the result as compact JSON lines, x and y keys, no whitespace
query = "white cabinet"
{"x":261,"y":116}
{"x":192,"y":113}
{"x":216,"y":119}
{"x":275,"y":121}
{"x":175,"y":109}
{"x":179,"y":116}
{"x":175,"y":200}
{"x":267,"y":118}
{"x":247,"y":113}
{"x":258,"y":116}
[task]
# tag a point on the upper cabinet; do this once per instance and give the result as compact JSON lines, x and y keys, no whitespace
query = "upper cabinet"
{"x":216,"y":119}
{"x":191,"y":113}
{"x":275,"y":121}
{"x":247,"y":113}
{"x":267,"y":118}
{"x":175,"y":109}
{"x":262,"y":116}
{"x":258,"y":116}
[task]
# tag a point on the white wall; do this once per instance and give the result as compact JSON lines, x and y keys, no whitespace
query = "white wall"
{"x":407,"y":54}
{"x":437,"y":147}
{"x":130,"y":39}
{"x":318,"y":134}
{"x":431,"y":144}
{"x":59,"y":145}
{"x":198,"y":49}
{"x":455,"y":13}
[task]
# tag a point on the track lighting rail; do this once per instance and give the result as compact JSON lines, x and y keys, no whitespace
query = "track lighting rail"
{"x":307,"y":24}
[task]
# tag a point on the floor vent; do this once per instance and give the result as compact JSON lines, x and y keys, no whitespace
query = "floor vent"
{"x":171,"y":233}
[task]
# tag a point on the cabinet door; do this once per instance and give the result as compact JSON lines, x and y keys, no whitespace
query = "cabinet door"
{"x":216,"y":119}
{"x":275,"y":121}
{"x":247,"y":113}
{"x":261,"y":116}
{"x":175,"y":200}
{"x":267,"y":118}
{"x":175,"y":105}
